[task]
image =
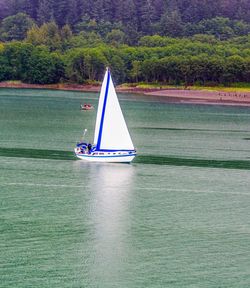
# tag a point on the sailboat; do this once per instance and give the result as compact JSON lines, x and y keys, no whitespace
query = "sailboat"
{"x":112,"y":141}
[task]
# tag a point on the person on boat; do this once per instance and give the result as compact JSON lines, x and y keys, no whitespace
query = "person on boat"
{"x":89,"y":148}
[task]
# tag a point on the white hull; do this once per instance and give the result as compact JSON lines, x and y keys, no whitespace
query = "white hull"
{"x":125,"y":158}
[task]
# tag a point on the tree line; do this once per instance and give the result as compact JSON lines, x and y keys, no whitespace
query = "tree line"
{"x":201,"y":59}
{"x":170,"y":41}
{"x":134,"y":18}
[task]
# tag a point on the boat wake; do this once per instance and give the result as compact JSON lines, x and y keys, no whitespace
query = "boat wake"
{"x":140,"y":159}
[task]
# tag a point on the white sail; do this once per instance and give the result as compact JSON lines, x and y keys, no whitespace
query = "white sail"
{"x":111,"y":132}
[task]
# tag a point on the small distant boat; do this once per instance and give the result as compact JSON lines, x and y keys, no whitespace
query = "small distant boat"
{"x":87,"y":107}
{"x":112,"y":141}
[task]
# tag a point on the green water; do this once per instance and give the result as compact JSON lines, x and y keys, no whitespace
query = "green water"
{"x":178,"y":216}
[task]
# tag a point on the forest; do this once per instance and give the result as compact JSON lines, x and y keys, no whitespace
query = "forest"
{"x":164,"y":41}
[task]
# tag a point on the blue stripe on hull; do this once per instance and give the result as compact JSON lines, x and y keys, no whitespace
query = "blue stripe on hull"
{"x":111,"y":156}
{"x":110,"y":150}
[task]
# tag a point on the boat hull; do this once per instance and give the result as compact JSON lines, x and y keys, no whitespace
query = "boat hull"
{"x":124,"y":158}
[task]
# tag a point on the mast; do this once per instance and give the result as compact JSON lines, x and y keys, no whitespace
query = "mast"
{"x":97,"y":135}
{"x":103,"y":110}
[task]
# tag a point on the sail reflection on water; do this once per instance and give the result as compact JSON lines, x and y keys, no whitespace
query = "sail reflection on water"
{"x":112,"y":186}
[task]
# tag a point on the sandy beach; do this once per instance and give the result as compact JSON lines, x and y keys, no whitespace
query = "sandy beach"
{"x":205,"y":97}
{"x":185,"y":96}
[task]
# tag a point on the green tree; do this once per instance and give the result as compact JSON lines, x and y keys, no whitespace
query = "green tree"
{"x":5,"y":68}
{"x":15,"y":27}
{"x":62,"y":11}
{"x":246,"y":72}
{"x":34,"y":36}
{"x":66,"y":36}
{"x":31,"y":8}
{"x":45,"y":11}
{"x":85,"y":64}
{"x":170,"y":69}
{"x":234,"y":69}
{"x":118,"y":69}
{"x":48,"y":34}
{"x":156,"y":41}
{"x":135,"y":72}
{"x":16,"y":55}
{"x":150,"y":70}
{"x":85,"y":39}
{"x":144,"y":15}
{"x":205,"y":38}
{"x":73,"y":14}
{"x":44,"y":68}
{"x":171,"y":24}
{"x":115,"y":37}
{"x":219,"y":26}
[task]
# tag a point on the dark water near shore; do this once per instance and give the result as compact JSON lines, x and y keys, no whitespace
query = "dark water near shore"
{"x":178,"y":216}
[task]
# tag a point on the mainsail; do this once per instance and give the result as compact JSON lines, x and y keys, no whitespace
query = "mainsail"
{"x":111,"y":132}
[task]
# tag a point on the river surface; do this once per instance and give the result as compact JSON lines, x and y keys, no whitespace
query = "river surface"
{"x":178,"y":216}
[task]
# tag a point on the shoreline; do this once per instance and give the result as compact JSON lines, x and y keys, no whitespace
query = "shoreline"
{"x":205,"y":97}
{"x":173,"y":95}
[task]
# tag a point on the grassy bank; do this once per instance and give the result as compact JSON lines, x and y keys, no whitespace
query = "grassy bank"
{"x":235,"y":87}
{"x":144,"y":87}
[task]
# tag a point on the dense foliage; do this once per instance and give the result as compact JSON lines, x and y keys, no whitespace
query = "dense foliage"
{"x":170,"y":41}
{"x":158,"y":59}
{"x":136,"y":18}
